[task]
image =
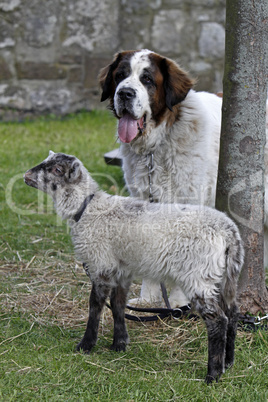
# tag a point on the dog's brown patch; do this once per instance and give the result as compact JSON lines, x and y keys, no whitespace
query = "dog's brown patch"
{"x":172,"y":86}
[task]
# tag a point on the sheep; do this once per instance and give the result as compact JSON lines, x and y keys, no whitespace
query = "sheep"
{"x":117,"y":238}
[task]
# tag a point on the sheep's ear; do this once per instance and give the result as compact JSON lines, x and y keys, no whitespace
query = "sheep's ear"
{"x":51,"y":153}
{"x":75,"y":172}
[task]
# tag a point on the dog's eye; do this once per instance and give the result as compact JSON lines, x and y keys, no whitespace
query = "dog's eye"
{"x":147,"y":79}
{"x":58,"y":171}
{"x":120,"y":76}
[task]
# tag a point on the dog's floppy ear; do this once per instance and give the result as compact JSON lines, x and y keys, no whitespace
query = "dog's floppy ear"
{"x":75,"y":172}
{"x":106,"y":78}
{"x":177,"y":83}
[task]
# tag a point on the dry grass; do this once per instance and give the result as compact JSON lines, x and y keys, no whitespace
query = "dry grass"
{"x":55,"y":290}
{"x":49,"y":289}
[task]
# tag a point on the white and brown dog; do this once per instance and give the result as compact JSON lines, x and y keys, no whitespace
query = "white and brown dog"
{"x":169,"y":135}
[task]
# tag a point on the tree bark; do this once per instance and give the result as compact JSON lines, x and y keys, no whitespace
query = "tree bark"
{"x":240,"y":189}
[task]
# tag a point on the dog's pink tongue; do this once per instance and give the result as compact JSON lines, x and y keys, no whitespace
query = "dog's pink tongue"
{"x":127,"y":128}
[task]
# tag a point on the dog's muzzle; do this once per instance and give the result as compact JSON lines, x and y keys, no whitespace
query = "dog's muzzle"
{"x":125,"y":100}
{"x":132,"y":120}
{"x":126,"y":94}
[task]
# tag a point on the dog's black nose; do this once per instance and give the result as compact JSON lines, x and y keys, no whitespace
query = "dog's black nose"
{"x":126,"y":94}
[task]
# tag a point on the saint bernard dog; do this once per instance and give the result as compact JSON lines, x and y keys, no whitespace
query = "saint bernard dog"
{"x":169,"y":136}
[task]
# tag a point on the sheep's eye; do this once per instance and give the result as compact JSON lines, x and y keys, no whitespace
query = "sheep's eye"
{"x":58,"y":171}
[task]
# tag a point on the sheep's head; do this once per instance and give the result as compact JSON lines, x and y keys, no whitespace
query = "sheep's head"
{"x":57,"y":171}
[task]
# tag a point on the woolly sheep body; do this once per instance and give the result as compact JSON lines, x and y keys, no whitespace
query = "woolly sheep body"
{"x":180,"y":244}
{"x":117,"y":238}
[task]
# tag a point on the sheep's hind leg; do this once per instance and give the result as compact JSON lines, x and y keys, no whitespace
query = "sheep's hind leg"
{"x":118,"y":303}
{"x":98,"y":295}
{"x":232,"y":314}
{"x":216,"y":323}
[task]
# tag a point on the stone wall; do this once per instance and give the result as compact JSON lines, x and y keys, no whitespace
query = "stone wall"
{"x":51,"y":51}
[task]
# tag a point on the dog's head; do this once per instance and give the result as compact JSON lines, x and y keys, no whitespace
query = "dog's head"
{"x":142,"y":86}
{"x":58,"y":171}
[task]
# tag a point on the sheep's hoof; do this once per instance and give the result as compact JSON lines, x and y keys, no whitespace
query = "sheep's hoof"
{"x":118,"y":347}
{"x":209,"y":379}
{"x":84,"y":347}
{"x":229,"y":364}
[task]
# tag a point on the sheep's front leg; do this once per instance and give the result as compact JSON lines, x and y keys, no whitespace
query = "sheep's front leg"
{"x":118,"y":304}
{"x":98,"y":295}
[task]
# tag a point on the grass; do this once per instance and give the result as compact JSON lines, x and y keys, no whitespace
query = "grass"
{"x":27,"y":144}
{"x":44,"y":296}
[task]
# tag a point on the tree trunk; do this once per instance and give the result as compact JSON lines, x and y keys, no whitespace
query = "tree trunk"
{"x":240,"y":189}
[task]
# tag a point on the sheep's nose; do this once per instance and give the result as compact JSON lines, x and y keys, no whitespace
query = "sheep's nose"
{"x":27,"y":174}
{"x":29,"y":179}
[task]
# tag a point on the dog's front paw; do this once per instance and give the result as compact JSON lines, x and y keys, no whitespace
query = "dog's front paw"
{"x":84,"y":346}
{"x":143,"y":302}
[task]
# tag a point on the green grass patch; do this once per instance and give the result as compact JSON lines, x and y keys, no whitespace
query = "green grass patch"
{"x":27,"y":217}
{"x":44,"y":296}
{"x":164,"y":362}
